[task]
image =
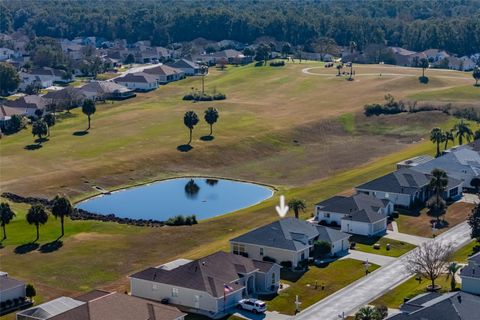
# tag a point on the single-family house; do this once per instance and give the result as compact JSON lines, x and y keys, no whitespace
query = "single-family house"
{"x":101,"y":305}
{"x":68,"y":97}
{"x":435,"y":55}
{"x":28,"y":105}
{"x":359,"y":214}
{"x":102,"y":90}
{"x":6,"y":54}
{"x":230,"y":56}
{"x":460,"y":163}
{"x":403,"y":57}
{"x":288,"y":240}
{"x":190,"y":68}
{"x":210,"y":285}
{"x":165,"y":74}
{"x":437,"y":306}
{"x":470,"y":275}
{"x":27,"y":79}
{"x":407,"y":187}
{"x":139,"y":81}
{"x":6,"y":114}
{"x":10,"y":288}
{"x":49,"y":74}
{"x":461,"y":64}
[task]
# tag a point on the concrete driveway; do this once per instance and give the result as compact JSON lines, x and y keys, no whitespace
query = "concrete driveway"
{"x":361,"y":292}
{"x":267,"y":316}
{"x":373,"y":258}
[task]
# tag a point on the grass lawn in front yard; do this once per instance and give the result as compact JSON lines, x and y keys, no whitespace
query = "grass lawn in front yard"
{"x":466,"y":251}
{"x":334,"y":277}
{"x":419,"y":224}
{"x":365,"y":244}
{"x":409,"y":289}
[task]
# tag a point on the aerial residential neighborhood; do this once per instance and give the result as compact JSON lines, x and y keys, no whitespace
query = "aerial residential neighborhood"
{"x":195,"y":160}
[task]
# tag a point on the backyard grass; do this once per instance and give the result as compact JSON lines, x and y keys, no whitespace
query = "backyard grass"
{"x":282,"y":131}
{"x":335,"y":276}
{"x":419,"y":223}
{"x":462,"y":255}
{"x":409,"y":289}
{"x":397,"y":248}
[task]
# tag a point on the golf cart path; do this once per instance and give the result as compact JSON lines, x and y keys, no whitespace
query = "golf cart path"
{"x":362,"y":291}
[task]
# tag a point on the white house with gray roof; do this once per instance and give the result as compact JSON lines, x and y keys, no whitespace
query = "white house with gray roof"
{"x":407,"y":186}
{"x":436,"y":306}
{"x":210,"y":285}
{"x":188,"y":67}
{"x":288,"y":239}
{"x":470,"y":275}
{"x":139,"y":81}
{"x":359,"y":214}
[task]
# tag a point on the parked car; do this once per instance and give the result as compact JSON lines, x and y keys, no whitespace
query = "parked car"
{"x":253,"y":305}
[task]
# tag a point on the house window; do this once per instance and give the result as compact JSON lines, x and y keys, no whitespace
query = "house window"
{"x":261,"y":251}
{"x":453,"y":193}
{"x":303,"y":256}
{"x":326,"y":215}
{"x":239,"y":249}
{"x":273,"y":279}
{"x":174,"y":292}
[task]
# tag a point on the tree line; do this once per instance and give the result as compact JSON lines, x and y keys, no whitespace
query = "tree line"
{"x":453,"y":25}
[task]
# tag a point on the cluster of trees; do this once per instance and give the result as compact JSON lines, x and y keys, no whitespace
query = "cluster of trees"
{"x":9,"y":79}
{"x":37,"y":215}
{"x":418,"y":25}
{"x":461,"y":131}
{"x":182,"y":221}
{"x":190,"y":119}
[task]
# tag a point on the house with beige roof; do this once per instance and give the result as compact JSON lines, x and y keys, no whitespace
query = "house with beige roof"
{"x":210,"y":286}
{"x":139,"y":81}
{"x":165,"y":74}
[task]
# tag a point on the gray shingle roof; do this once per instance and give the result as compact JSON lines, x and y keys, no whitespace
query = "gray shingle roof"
{"x":139,"y":77}
{"x":183,"y":63}
{"x":288,"y":233}
{"x":449,"y":306}
{"x":472,"y":270}
{"x":208,"y":274}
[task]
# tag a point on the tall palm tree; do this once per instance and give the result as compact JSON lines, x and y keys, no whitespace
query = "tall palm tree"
{"x":463,"y":131}
{"x":61,"y":208}
{"x":339,"y":67}
{"x":296,"y":205}
{"x":452,"y":271}
{"x":6,"y":215}
{"x":211,"y":116}
{"x":438,"y":183}
{"x":437,"y":136}
{"x":37,"y":216}
{"x":448,"y":136}
{"x":190,"y":119}
{"x":88,"y":108}
{"x":424,"y":64}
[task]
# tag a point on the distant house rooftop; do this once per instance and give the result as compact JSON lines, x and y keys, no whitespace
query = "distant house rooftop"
{"x":140,"y":77}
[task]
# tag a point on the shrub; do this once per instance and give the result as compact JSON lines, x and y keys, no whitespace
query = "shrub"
{"x":323,"y":223}
{"x":391,"y":106}
{"x":219,"y":96}
{"x":8,"y":303}
{"x":322,"y":248}
{"x":269,"y":259}
{"x":15,"y":301}
{"x":286,"y":264}
{"x":334,"y":224}
{"x":259,"y":63}
{"x":3,"y":305}
{"x":280,"y":63}
{"x":181,"y":220}
{"x":395,"y":215}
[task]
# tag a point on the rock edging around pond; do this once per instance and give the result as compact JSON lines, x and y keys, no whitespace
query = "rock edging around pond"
{"x":80,"y":214}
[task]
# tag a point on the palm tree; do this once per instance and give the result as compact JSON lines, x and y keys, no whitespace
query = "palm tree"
{"x":448,"y":136}
{"x":40,"y":129}
{"x":438,"y":183}
{"x":297,"y":205}
{"x":452,"y":270}
{"x":463,"y":131}
{"x":211,"y":116}
{"x":88,"y":108}
{"x":190,"y":119}
{"x":37,"y":216}
{"x":436,"y":136}
{"x":61,"y":208}
{"x":339,"y":67}
{"x":6,"y":215}
{"x":367,"y":313}
{"x":50,"y":120}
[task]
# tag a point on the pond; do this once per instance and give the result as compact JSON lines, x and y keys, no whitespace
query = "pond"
{"x":203,"y":197}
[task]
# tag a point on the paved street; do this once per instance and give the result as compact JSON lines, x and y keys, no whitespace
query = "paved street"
{"x":375,"y":284}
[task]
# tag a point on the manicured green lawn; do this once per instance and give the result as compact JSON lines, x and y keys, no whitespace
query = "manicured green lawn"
{"x":397,"y":248}
{"x":335,"y":276}
{"x":409,"y":289}
{"x":468,"y":92}
{"x":466,"y":251}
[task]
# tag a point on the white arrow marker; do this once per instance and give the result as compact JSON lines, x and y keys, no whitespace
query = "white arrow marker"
{"x":282,"y":209}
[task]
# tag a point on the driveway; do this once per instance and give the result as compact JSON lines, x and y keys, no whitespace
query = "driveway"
{"x":371,"y":257}
{"x":267,"y":316}
{"x":361,"y":292}
{"x":470,"y":198}
{"x":416,"y":240}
